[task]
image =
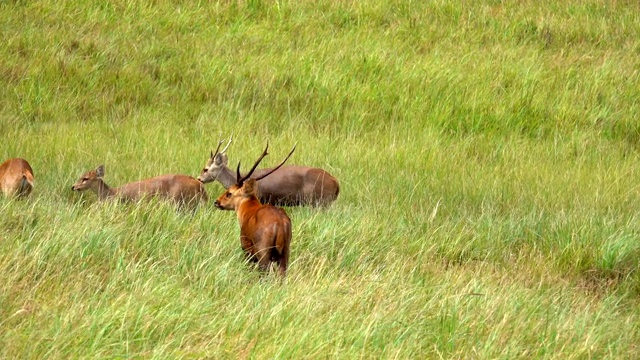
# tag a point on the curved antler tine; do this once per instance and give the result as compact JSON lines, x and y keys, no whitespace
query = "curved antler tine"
{"x":238,"y":175}
{"x":278,"y":167}
{"x":264,"y":153}
{"x":217,"y":149}
{"x":226,"y":147}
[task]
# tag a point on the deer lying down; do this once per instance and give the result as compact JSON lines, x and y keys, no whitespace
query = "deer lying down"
{"x":265,"y":230}
{"x":290,"y":186}
{"x":181,"y":189}
{"x":16,"y":177}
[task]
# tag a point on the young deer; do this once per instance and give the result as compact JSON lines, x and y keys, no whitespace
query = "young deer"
{"x":290,"y":186}
{"x":265,"y":230}
{"x":16,"y":177}
{"x":181,"y":189}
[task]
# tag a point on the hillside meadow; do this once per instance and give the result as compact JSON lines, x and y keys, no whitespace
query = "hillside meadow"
{"x":488,"y":154}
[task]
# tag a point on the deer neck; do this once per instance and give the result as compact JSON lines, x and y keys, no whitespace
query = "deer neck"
{"x":226,"y":177}
{"x":247,"y":208}
{"x":104,"y":191}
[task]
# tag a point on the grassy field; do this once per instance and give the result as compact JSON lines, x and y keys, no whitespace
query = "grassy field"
{"x":488,"y":154}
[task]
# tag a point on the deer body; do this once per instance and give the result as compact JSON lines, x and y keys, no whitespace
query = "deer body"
{"x":289,"y":186}
{"x":16,"y":177}
{"x":265,"y":230}
{"x":297,"y":185}
{"x":181,"y":189}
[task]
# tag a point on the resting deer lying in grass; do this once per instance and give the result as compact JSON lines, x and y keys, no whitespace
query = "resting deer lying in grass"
{"x":290,"y":186}
{"x":265,"y":230}
{"x":16,"y":177}
{"x":181,"y":189}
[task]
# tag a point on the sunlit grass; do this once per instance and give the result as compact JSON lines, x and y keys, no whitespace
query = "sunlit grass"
{"x":487,"y":154}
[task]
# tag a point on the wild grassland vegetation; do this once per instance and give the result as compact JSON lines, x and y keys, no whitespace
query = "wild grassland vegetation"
{"x":487,"y":151}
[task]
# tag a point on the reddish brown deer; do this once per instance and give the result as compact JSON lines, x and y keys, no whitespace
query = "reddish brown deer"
{"x":181,"y":189}
{"x":16,"y":177}
{"x":265,"y":230}
{"x":290,"y":186}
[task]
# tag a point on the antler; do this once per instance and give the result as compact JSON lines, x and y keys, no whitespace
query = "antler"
{"x":226,"y":147}
{"x":278,"y":167}
{"x":218,"y":148}
{"x":240,"y":180}
{"x":223,"y":150}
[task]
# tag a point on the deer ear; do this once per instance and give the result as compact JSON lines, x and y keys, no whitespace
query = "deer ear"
{"x":100,"y":171}
{"x":249,"y":186}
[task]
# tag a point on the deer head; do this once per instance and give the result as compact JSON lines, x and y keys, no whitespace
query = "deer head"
{"x":245,"y":187}
{"x":216,"y":163}
{"x":90,"y":180}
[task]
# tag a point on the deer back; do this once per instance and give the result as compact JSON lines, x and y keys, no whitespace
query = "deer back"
{"x":175,"y":187}
{"x":297,"y":185}
{"x":265,"y":227}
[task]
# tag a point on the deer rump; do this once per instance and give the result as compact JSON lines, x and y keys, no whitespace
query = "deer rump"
{"x":16,"y":177}
{"x":271,"y":237}
{"x":296,"y":185}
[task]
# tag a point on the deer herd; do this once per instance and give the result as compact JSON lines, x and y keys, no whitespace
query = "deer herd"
{"x":256,"y":197}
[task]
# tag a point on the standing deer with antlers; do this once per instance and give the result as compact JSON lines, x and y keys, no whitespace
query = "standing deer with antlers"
{"x":265,"y":230}
{"x":290,"y":186}
{"x":16,"y":177}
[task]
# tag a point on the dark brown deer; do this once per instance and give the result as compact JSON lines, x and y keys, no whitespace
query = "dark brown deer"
{"x":181,"y":189}
{"x":265,"y":230}
{"x":290,"y":186}
{"x":16,"y":178}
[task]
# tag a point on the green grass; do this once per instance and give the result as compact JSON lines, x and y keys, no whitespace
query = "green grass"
{"x":487,"y":154}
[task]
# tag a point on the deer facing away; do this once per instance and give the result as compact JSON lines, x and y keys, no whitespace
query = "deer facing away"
{"x":181,"y":189}
{"x":265,"y":230}
{"x":16,"y":177}
{"x":292,"y":185}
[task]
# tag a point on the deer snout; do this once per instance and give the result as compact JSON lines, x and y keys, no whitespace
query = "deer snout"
{"x":73,"y":187}
{"x":217,"y":204}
